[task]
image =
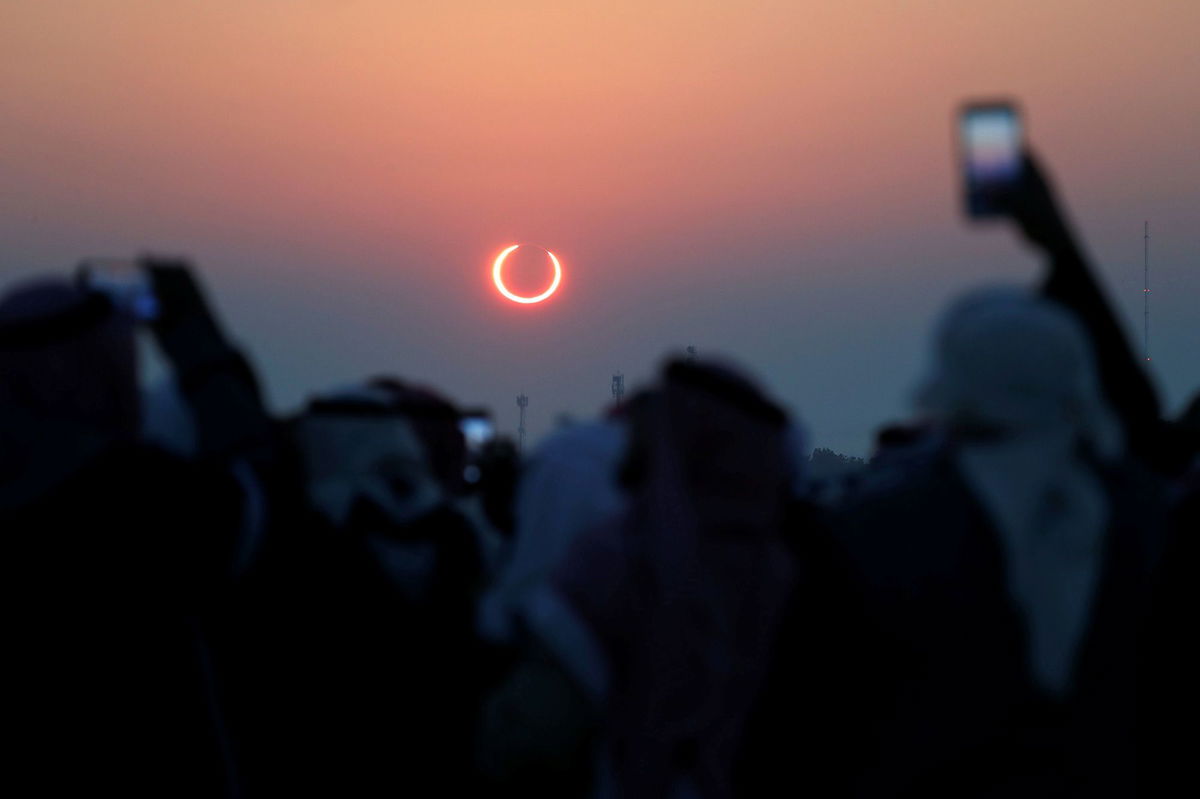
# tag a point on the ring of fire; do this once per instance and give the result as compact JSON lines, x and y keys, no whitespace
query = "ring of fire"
{"x":498,"y":267}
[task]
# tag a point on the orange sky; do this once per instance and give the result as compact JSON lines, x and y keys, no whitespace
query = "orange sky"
{"x":711,"y":173}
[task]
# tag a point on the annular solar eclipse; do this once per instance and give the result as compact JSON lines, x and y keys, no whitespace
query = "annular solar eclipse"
{"x":498,"y":276}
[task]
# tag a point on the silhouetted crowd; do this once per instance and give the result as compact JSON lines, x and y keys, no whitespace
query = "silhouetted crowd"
{"x":357,"y":600}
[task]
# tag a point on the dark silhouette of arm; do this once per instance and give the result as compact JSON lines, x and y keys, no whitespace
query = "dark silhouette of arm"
{"x":1070,"y":281}
{"x":216,"y":380}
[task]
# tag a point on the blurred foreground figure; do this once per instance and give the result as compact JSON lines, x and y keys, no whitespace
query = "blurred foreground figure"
{"x":1015,"y":389}
{"x":999,"y":587}
{"x":1170,"y":653}
{"x":652,"y":637}
{"x":355,"y":666}
{"x":116,"y":548}
{"x":568,"y":487}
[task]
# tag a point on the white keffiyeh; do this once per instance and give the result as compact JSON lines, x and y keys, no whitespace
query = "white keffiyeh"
{"x":1015,"y":373}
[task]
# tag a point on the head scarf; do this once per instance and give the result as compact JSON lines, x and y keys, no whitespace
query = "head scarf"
{"x":1014,"y":381}
{"x":68,"y":355}
{"x":435,"y":422}
{"x":568,"y":487}
{"x":68,"y":385}
{"x":356,"y":447}
{"x":684,"y":594}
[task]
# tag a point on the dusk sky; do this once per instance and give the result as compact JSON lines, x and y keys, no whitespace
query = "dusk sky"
{"x":771,"y":181}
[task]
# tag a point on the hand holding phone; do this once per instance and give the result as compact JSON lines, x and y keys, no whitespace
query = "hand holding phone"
{"x":185,"y":328}
{"x":992,"y":149}
{"x":125,"y":281}
{"x":477,"y":430}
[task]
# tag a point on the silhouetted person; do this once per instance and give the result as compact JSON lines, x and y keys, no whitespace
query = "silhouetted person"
{"x":499,"y":465}
{"x":1003,"y":583}
{"x":536,"y":732}
{"x":115,"y":549}
{"x":663,"y":620}
{"x":568,"y":486}
{"x":1071,"y":282}
{"x":1171,"y":665}
{"x":360,"y":673}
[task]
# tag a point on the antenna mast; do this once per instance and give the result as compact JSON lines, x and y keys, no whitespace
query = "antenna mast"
{"x":618,"y":388}
{"x":522,"y":403}
{"x":1146,"y":291}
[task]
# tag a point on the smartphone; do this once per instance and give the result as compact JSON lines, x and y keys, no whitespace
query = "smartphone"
{"x":477,"y":429}
{"x":122,"y":280}
{"x":993,"y":152}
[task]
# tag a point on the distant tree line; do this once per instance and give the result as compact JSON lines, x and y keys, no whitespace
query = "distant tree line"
{"x":825,"y":463}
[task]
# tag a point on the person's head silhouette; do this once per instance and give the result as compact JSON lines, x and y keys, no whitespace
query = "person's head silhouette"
{"x":68,"y":355}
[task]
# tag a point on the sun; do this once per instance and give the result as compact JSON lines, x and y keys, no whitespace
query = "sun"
{"x":497,"y":277}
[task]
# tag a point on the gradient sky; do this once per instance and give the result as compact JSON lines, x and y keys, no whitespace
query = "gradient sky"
{"x":773,"y":181}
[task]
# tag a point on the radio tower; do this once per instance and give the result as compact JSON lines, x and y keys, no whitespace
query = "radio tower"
{"x":522,"y":403}
{"x":1146,"y":290}
{"x":618,"y":388}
